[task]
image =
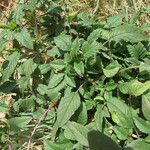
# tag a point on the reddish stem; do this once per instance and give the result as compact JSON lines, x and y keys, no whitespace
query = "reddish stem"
{"x":51,"y":106}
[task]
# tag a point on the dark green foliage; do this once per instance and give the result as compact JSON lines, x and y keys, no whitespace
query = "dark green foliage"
{"x":79,"y":83}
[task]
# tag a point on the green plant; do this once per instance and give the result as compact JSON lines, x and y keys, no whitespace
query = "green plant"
{"x":69,"y":78}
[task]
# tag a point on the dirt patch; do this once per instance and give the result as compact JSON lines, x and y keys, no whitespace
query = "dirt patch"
{"x":4,"y":4}
{"x":7,"y":5}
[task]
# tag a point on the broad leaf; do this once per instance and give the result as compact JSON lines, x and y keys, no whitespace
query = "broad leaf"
{"x":138,"y":145}
{"x":90,"y":49}
{"x":134,"y":87}
{"x":120,"y":112}
{"x":142,"y":125}
{"x":112,"y":69}
{"x":44,"y":68}
{"x":10,"y":65}
{"x":85,"y":19}
{"x":18,"y":123}
{"x":128,"y":33}
{"x":78,"y":132}
{"x":82,"y":117}
{"x":75,"y":47}
{"x":79,"y":68}
{"x":26,"y":104}
{"x":42,"y":89}
{"x":122,"y":133}
{"x":19,"y":13}
{"x":53,"y":52}
{"x":67,"y":107}
{"x":55,"y":80}
{"x":63,"y":42}
{"x":94,"y":35}
{"x":49,"y":145}
{"x":3,"y":44}
{"x":99,"y":115}
{"x":24,"y":38}
{"x":146,"y":106}
{"x":58,"y":64}
{"x":3,"y":107}
{"x":70,"y":81}
{"x":138,"y":51}
{"x":28,"y":67}
{"x":114,"y":21}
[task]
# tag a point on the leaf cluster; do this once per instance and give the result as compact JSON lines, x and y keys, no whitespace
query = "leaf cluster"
{"x":96,"y":71}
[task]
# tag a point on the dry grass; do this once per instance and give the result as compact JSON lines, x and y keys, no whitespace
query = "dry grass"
{"x":106,"y":7}
{"x":6,"y":6}
{"x":100,"y":7}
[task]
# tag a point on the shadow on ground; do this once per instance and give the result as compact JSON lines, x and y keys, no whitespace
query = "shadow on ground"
{"x":99,"y":141}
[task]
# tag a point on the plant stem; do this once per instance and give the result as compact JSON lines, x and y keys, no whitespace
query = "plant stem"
{"x":39,"y":121}
{"x":97,"y":6}
{"x":129,"y":68}
{"x":134,"y":4}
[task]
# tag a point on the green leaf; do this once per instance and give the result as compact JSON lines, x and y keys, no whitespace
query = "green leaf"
{"x":138,"y":145}
{"x":63,"y":42}
{"x":90,"y":49}
{"x":105,"y":34}
{"x":145,"y":66}
{"x":42,"y":89}
{"x":83,"y":117}
{"x":49,"y":145}
{"x":122,"y":133}
{"x":11,"y":64}
{"x":3,"y":44}
{"x":85,"y":19}
{"x":79,"y":68}
{"x":112,"y":69}
{"x":80,"y":116}
{"x":145,"y":27}
{"x":120,"y":112}
{"x":67,"y":107}
{"x":94,"y":35}
{"x":142,"y":125}
{"x":134,"y":87}
{"x":114,"y":21}
{"x":24,"y":38}
{"x":55,"y":80}
{"x":53,"y":52}
{"x":18,"y":123}
{"x":78,"y":132}
{"x":19,"y":13}
{"x":147,"y":139}
{"x":26,"y":104}
{"x":54,"y":92}
{"x":146,"y":106}
{"x":44,"y":68}
{"x":75,"y":47}
{"x":3,"y":107}
{"x":58,"y":64}
{"x":99,"y":115}
{"x":138,"y":50}
{"x":28,"y":67}
{"x":23,"y":84}
{"x":70,"y":81}
{"x":128,"y":33}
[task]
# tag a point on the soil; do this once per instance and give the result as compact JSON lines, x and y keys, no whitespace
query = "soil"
{"x":4,"y":4}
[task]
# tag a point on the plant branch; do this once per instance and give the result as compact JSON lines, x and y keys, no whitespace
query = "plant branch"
{"x":4,"y":6}
{"x":39,"y":121}
{"x":129,"y":68}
